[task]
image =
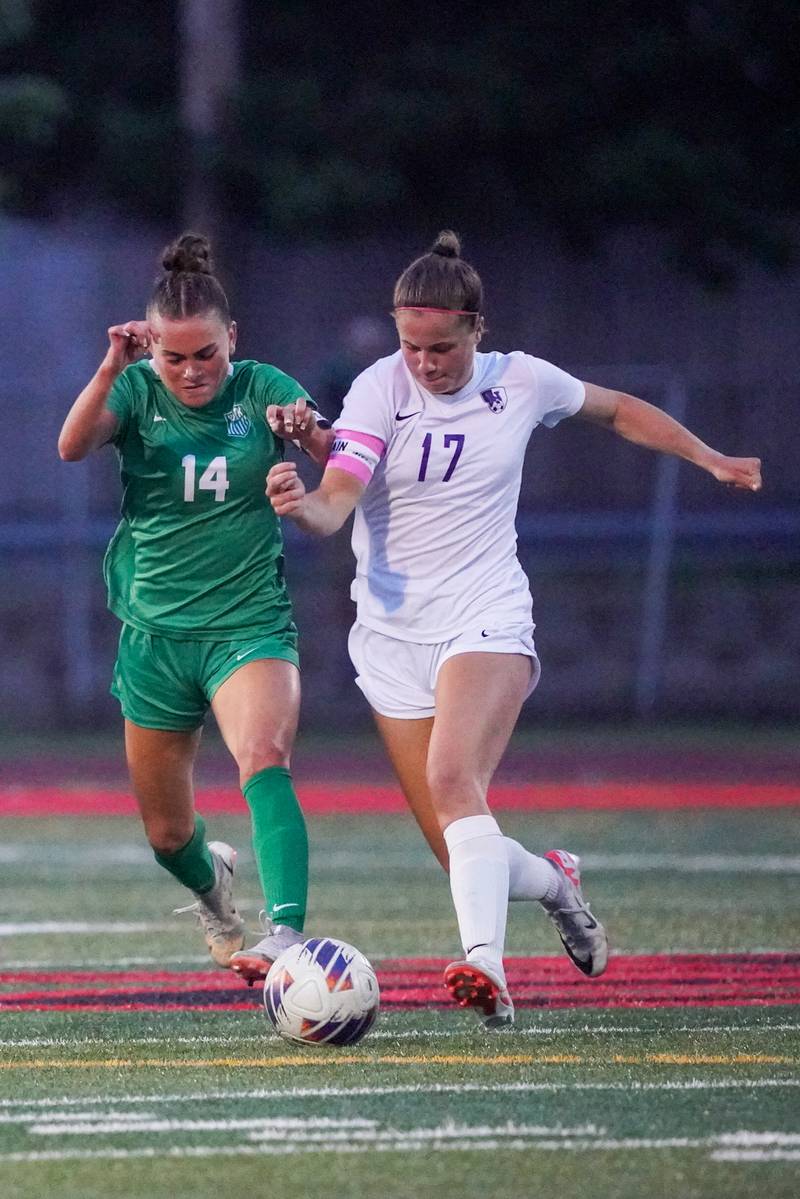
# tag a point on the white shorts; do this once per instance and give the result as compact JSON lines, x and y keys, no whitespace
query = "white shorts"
{"x":398,"y":678}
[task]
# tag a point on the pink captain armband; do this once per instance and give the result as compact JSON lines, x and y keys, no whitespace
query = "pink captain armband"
{"x":357,"y":453}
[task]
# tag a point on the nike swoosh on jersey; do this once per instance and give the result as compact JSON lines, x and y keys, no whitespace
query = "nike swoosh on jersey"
{"x":406,"y":415}
{"x":157,"y":417}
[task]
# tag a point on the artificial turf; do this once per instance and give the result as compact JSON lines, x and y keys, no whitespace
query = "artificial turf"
{"x":615,"y":1102}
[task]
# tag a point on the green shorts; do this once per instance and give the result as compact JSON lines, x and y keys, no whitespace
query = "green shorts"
{"x":162,"y":683}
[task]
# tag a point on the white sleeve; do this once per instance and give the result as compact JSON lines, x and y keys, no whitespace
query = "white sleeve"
{"x":557,"y":393}
{"x":367,"y":407}
{"x":364,"y":427}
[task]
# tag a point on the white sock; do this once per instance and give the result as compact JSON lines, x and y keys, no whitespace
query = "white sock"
{"x":479,"y":886}
{"x":529,"y":877}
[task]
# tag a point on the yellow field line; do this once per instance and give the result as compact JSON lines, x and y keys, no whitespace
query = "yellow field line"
{"x":434,"y":1059}
{"x":715,"y":1059}
{"x":298,"y":1059}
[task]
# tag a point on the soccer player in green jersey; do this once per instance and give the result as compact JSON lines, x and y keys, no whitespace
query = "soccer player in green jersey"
{"x":195,"y":574}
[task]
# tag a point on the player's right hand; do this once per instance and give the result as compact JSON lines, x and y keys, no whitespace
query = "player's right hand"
{"x":128,"y":343}
{"x":285,"y":489}
{"x":737,"y":472}
{"x":295,"y":421}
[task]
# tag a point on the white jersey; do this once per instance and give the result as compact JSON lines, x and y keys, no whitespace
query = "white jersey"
{"x":434,"y":534}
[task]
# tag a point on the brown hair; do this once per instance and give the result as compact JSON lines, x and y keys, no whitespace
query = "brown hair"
{"x":441,"y":279}
{"x":188,"y":286}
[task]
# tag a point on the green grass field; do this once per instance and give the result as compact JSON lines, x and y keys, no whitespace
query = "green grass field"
{"x":616,"y":1102}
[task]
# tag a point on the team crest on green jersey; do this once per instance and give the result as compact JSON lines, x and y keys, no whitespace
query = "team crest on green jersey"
{"x":238,"y":423}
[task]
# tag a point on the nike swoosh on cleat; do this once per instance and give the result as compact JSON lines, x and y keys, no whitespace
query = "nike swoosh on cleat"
{"x":405,"y":415}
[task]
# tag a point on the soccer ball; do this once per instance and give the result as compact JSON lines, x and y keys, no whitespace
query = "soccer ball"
{"x":322,"y":991}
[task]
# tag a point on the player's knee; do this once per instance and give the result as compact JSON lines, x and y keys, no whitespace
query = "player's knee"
{"x":261,"y":755}
{"x":451,"y":786}
{"x":167,"y":838}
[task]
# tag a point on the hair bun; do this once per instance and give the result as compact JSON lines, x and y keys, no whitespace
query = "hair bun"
{"x":447,"y":245}
{"x":191,"y":252}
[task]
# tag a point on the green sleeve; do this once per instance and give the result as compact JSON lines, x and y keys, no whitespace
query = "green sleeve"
{"x":279,"y":388}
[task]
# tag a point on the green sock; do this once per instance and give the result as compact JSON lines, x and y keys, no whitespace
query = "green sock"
{"x":193,"y":865}
{"x":280,"y":844}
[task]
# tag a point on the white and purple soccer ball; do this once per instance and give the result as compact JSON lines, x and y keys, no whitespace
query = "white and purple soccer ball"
{"x":322,"y":992}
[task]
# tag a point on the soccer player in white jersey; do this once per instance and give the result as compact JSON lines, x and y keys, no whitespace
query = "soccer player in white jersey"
{"x":428,"y":451}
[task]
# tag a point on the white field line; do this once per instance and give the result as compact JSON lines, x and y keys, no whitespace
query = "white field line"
{"x":692,"y":1084}
{"x":69,"y":856}
{"x":446,"y":1137}
{"x":322,"y":1128}
{"x":577,"y":1138}
{"x":445,"y":1132}
{"x":88,"y":856}
{"x":424,"y":1034}
{"x":277,"y":1126}
{"x":701,"y":863}
{"x":36,"y":928}
{"x":758,"y":1147}
{"x":756,"y":1155}
{"x":262,"y":1150}
{"x":749,"y":1140}
{"x":377,"y":955}
{"x":67,"y":1117}
{"x":682,"y":863}
{"x":115,"y":963}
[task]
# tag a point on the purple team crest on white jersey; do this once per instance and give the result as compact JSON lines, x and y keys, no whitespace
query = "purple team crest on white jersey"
{"x":495,"y":397}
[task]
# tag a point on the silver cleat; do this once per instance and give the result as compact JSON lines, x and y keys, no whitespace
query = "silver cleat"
{"x":581,"y":933}
{"x":223,"y":927}
{"x":253,"y":964}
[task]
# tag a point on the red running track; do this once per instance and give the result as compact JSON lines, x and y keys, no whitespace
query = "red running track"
{"x":631,"y":981}
{"x":321,"y":798}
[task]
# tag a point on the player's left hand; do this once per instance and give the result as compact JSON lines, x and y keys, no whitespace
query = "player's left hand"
{"x":293,"y":422}
{"x":285,"y":489}
{"x":738,"y":472}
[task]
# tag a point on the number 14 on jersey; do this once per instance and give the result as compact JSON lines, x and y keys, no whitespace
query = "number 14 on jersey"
{"x":214,"y":478}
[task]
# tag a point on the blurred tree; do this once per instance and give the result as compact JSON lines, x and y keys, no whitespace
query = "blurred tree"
{"x":355,"y":118}
{"x":117,"y":139}
{"x":33,"y":109}
{"x":16,"y":20}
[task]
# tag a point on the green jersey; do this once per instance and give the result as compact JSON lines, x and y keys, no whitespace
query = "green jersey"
{"x":198,"y":553}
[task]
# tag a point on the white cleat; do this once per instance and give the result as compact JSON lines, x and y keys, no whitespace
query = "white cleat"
{"x":223,"y":927}
{"x":477,"y":985}
{"x":253,"y":964}
{"x":581,"y":933}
